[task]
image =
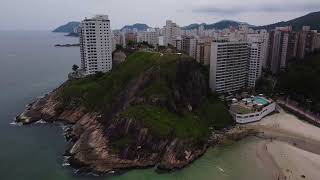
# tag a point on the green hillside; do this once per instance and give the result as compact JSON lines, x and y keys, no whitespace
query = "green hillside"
{"x":302,"y":82}
{"x":170,"y":95}
{"x":219,"y":25}
{"x":311,"y":19}
{"x":138,"y":26}
{"x":67,"y":28}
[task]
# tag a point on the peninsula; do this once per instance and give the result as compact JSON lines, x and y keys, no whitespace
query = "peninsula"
{"x":152,"y":109}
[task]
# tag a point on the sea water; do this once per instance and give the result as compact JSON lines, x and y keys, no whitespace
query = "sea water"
{"x":30,"y":66}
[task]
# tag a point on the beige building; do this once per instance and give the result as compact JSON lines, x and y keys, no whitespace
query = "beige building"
{"x":203,"y":52}
{"x":151,"y":37}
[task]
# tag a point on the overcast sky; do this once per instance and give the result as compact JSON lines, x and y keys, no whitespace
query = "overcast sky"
{"x":48,"y":14}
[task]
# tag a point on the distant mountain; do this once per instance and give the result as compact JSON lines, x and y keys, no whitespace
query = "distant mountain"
{"x":312,"y":19}
{"x":67,"y":28}
{"x":138,"y":26}
{"x":219,"y":25}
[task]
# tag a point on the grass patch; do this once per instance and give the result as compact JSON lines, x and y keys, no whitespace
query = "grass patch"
{"x":95,"y":93}
{"x":215,"y":113}
{"x":163,"y":123}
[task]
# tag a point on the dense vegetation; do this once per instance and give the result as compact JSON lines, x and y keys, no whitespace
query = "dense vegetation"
{"x":175,"y":102}
{"x":311,"y":19}
{"x":302,"y":82}
{"x":139,"y":27}
{"x":218,"y":25}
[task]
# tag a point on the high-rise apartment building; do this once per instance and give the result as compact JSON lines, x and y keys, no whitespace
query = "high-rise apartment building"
{"x":96,"y":45}
{"x":204,"y":51}
{"x":228,"y":66}
{"x":277,"y":49}
{"x":256,"y":58}
{"x":189,"y":45}
{"x":151,"y":37}
{"x":307,"y":42}
{"x":317,"y":44}
{"x":171,"y":32}
{"x":292,"y":45}
{"x":261,"y":36}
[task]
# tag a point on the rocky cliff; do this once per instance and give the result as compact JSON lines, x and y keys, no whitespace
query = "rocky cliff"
{"x":159,"y":114}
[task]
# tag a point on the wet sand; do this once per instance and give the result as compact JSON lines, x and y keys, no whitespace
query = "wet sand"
{"x":290,"y":148}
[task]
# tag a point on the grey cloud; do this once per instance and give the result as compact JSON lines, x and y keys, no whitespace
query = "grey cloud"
{"x":231,"y":10}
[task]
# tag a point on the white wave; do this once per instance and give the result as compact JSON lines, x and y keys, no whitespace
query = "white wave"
{"x":220,"y":169}
{"x":40,"y":122}
{"x":15,"y":124}
{"x":66,"y":161}
{"x":40,"y":97}
{"x":65,"y":164}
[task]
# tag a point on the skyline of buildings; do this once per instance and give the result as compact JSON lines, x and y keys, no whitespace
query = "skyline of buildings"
{"x":237,"y":56}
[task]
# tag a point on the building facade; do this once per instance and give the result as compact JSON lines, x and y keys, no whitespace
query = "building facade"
{"x":277,"y":49}
{"x":203,"y":52}
{"x":256,"y":58}
{"x":96,"y":45}
{"x":151,"y":37}
{"x":228,"y":66}
{"x":171,"y":32}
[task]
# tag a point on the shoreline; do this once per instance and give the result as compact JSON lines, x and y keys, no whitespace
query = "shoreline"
{"x":286,"y":141}
{"x":43,"y":109}
{"x":281,"y":131}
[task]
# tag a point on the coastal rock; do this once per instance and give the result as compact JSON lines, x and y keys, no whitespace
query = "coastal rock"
{"x":114,"y":134}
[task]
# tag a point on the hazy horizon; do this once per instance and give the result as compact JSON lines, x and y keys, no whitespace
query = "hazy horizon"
{"x":47,"y":15}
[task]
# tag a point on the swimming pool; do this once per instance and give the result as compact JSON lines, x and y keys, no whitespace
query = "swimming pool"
{"x":260,"y":100}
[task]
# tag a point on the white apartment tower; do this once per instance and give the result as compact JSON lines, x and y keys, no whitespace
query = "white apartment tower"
{"x":228,"y":66}
{"x":256,"y":58}
{"x":171,"y":32}
{"x":96,"y":45}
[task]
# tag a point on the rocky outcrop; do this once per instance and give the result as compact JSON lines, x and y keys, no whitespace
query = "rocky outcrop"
{"x":91,"y":141}
{"x":119,"y":57}
{"x":105,"y":141}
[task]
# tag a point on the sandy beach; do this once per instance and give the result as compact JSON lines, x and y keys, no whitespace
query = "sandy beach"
{"x":290,"y":147}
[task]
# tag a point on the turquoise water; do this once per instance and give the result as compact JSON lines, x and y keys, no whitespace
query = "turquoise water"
{"x":260,"y":100}
{"x":29,"y":67}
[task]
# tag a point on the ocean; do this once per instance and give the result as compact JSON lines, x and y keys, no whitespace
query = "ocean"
{"x":30,"y":66}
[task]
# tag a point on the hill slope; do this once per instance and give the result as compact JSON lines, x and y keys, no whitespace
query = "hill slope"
{"x":67,"y":28}
{"x":139,"y":27}
{"x":149,"y":110}
{"x":311,"y":19}
{"x":219,"y":25}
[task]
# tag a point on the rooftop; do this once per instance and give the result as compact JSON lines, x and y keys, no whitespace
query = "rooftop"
{"x":250,"y":105}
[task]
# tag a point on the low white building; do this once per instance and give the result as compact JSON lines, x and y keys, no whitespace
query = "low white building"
{"x":252,"y":109}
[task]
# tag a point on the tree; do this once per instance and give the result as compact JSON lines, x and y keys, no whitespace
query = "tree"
{"x":119,"y":47}
{"x":131,"y":43}
{"x":75,"y":67}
